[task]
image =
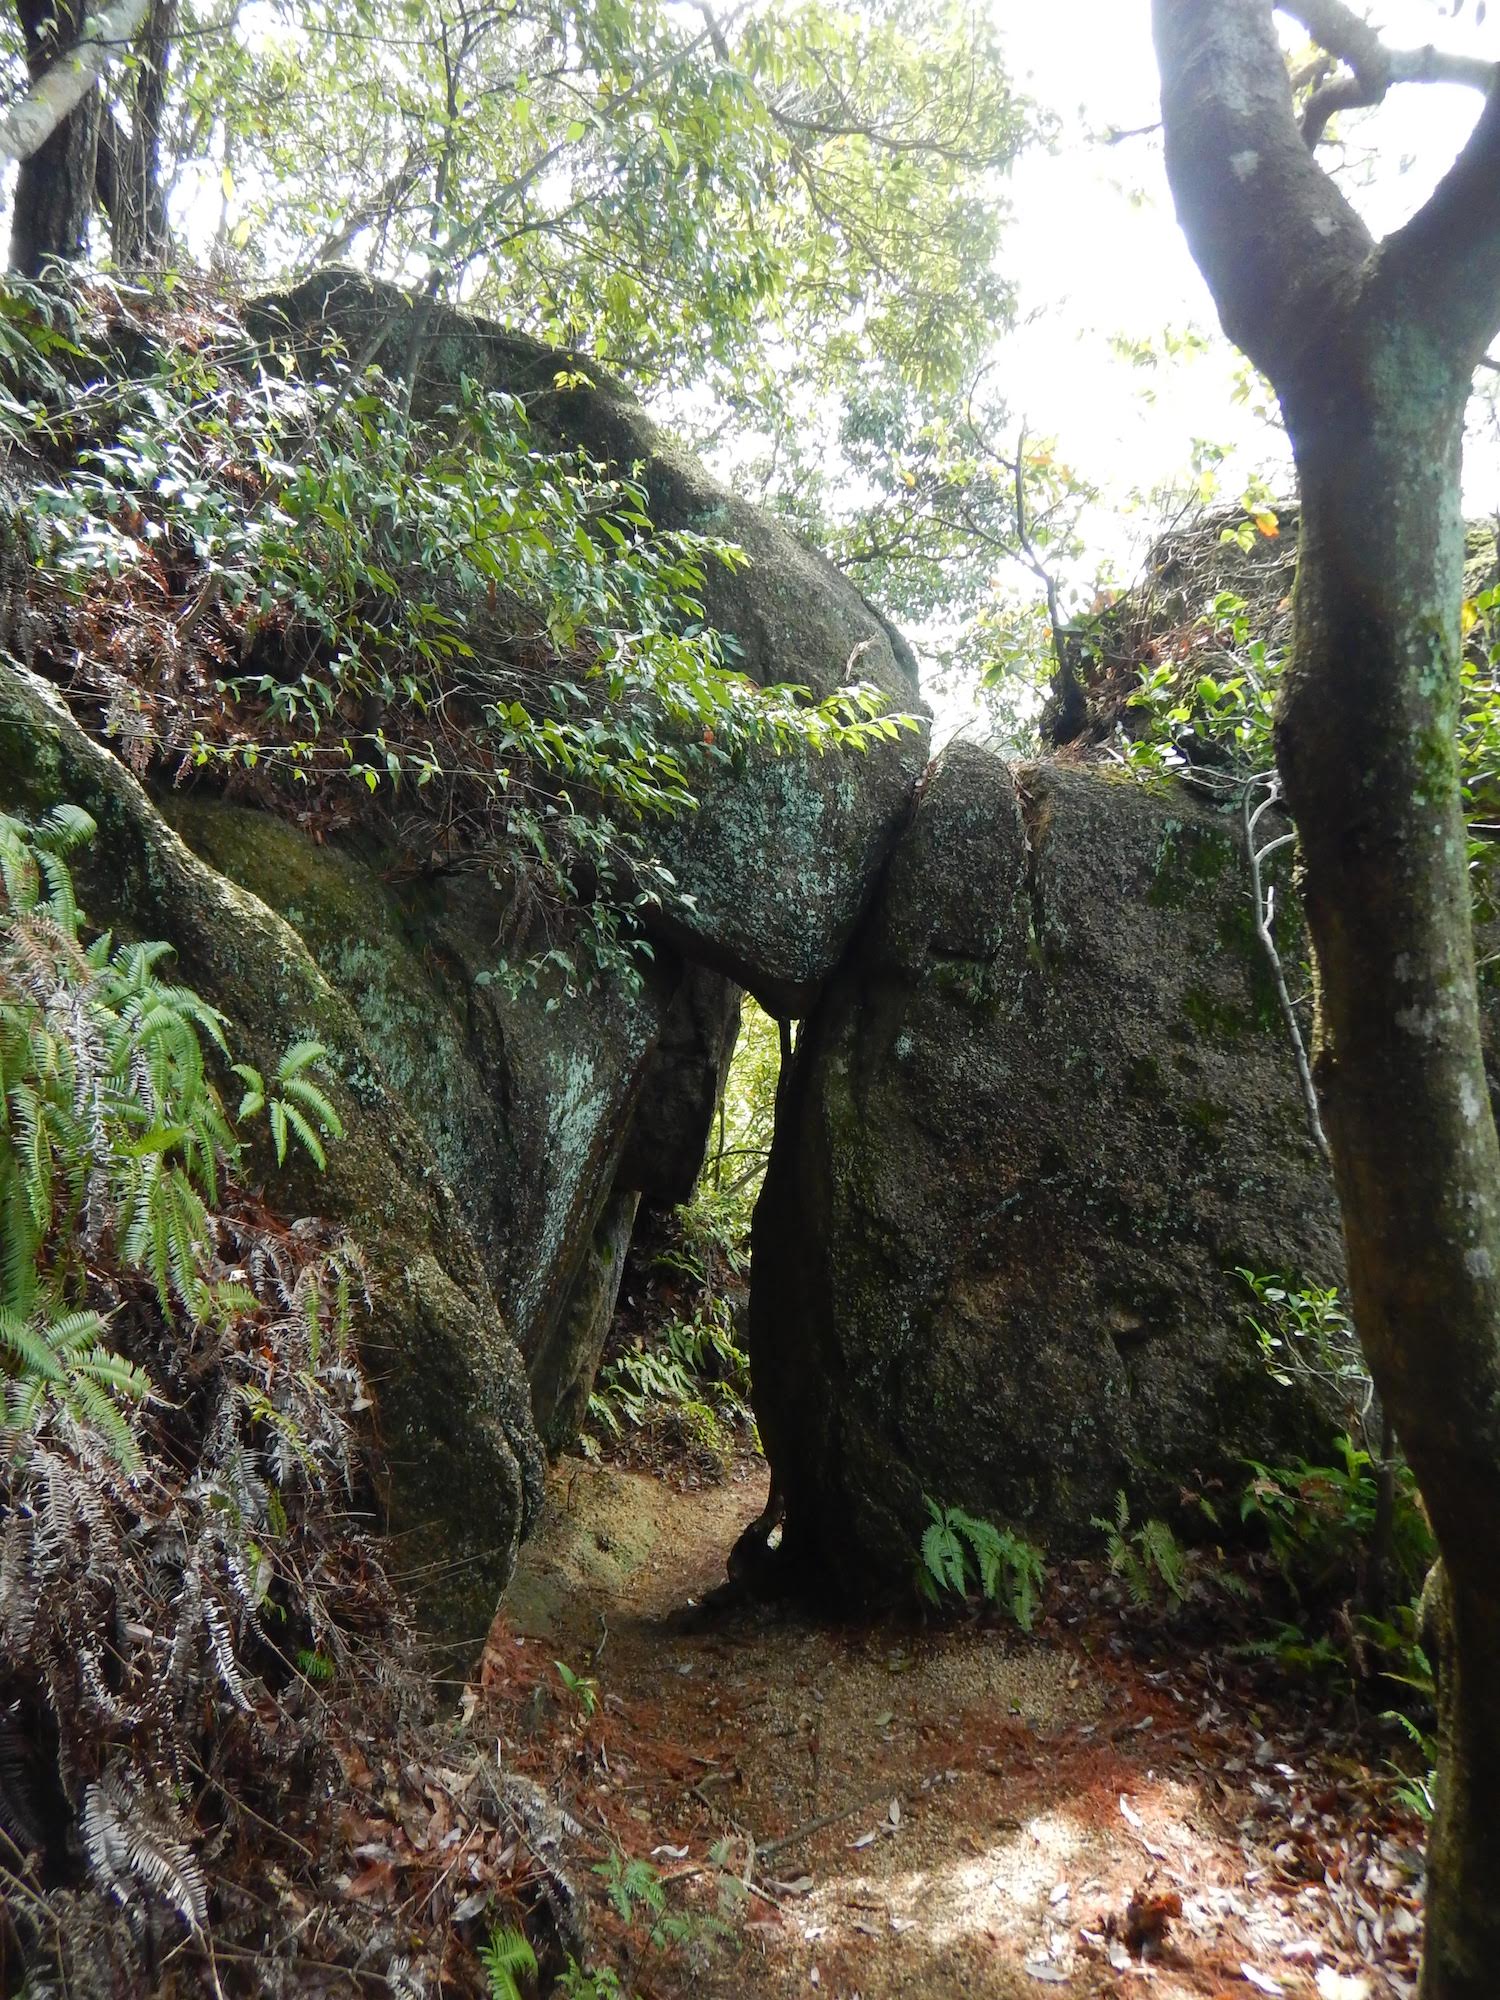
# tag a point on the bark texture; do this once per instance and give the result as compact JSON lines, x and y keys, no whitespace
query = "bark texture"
{"x":1371,"y":348}
{"x":53,"y":129}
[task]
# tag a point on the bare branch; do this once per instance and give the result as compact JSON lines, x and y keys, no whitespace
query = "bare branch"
{"x":29,"y":123}
{"x":1336,"y":27}
{"x":1443,"y":267}
{"x":1279,"y":244}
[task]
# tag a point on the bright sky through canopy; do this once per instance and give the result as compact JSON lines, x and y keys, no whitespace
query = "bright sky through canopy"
{"x":1096,"y":252}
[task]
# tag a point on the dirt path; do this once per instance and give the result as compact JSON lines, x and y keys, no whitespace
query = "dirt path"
{"x":999,"y":1800}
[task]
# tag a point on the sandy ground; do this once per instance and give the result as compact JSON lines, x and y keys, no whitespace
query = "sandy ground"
{"x":870,"y":1813}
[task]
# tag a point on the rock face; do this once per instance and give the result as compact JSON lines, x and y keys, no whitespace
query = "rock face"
{"x":1039,"y":1116}
{"x":498,"y":1143}
{"x":462,"y":1460}
{"x":777,"y":863}
{"x":544,"y":1109}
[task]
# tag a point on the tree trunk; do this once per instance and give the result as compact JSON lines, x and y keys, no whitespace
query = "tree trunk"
{"x":1366,"y":746}
{"x":138,"y":208}
{"x":54,"y":196}
{"x":1371,"y":348}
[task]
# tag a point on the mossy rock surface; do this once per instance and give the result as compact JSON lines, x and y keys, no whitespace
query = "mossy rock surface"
{"x":1035,"y":1123}
{"x":461,"y":1462}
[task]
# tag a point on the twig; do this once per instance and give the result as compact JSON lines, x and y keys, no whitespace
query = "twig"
{"x":1264,"y":917}
{"x":824,"y":1820}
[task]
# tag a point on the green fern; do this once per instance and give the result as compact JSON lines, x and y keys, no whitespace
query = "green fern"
{"x":110,"y":1133}
{"x":631,"y":1885}
{"x":1148,"y":1560}
{"x":295,"y":1106}
{"x":507,"y":1958}
{"x":64,"y":1365}
{"x":961,"y":1552}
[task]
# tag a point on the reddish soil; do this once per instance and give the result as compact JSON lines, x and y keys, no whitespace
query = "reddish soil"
{"x":1004,"y":1815}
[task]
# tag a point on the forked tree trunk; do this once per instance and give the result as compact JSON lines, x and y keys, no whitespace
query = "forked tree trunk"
{"x":1371,"y":348}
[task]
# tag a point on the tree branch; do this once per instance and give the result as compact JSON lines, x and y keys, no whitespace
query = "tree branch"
{"x":1336,"y":27}
{"x":1442,"y":268}
{"x":1280,"y":246}
{"x":29,"y":123}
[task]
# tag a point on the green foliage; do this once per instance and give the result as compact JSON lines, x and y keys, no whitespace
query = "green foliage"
{"x":582,"y":1687}
{"x":177,"y":1462}
{"x":961,"y":1555}
{"x":1307,"y":1337}
{"x":1208,"y":688}
{"x":63,"y":1366}
{"x":768,"y":211}
{"x":1416,"y":1790}
{"x":1321,"y":1523}
{"x":692,"y":1368}
{"x":294,"y":1104}
{"x":437,"y":614}
{"x":1479,"y":727}
{"x":633,"y":1886}
{"x":1149,"y":1559}
{"x":1328,"y":1526}
{"x":638,"y":1896}
{"x":507,"y":1959}
{"x":114,"y":1139}
{"x":1318,"y":1520}
{"x":603,"y":1983}
{"x":716,"y":1222}
{"x":645,"y":1379}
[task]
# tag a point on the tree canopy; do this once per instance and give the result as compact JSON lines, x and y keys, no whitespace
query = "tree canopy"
{"x":786,"y":218}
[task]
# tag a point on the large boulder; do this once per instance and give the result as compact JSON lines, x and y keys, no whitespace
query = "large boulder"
{"x":1038,"y":1118}
{"x":542,"y":1105}
{"x":778,"y":861}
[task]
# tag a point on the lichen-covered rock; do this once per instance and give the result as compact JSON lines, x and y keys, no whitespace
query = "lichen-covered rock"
{"x":1038,"y":1118}
{"x":778,"y":861}
{"x":462,"y":1459}
{"x":540,"y":1105}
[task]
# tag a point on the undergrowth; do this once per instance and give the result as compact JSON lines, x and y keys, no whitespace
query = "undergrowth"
{"x":277,"y":575}
{"x":676,"y":1372}
{"x":186,"y":1586}
{"x":963,"y":1556}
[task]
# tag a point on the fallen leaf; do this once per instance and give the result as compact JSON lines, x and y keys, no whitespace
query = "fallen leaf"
{"x":1147,"y":1920}
{"x":1132,"y":1817}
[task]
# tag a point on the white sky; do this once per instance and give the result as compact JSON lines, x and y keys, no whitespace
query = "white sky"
{"x":1096,"y":250}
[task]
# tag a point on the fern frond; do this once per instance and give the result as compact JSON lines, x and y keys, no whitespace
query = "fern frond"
{"x":507,"y":1957}
{"x":311,"y":1143}
{"x":65,"y":828}
{"x":135,"y":1841}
